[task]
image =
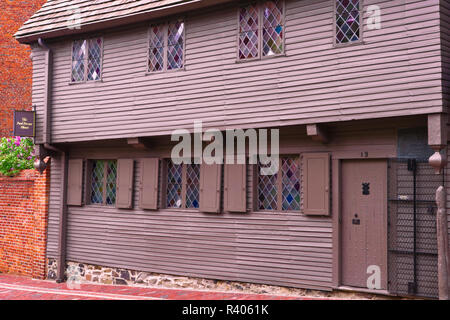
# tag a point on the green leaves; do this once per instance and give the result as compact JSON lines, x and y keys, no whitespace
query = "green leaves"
{"x":16,"y":154}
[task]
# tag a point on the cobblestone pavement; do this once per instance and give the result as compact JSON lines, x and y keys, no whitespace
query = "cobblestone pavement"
{"x":22,"y":288}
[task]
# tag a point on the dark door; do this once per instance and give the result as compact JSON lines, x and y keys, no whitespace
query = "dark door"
{"x":364,"y":221}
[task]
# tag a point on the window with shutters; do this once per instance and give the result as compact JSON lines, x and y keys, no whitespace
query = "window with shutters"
{"x":103,"y":180}
{"x":261,"y":30}
{"x":183,"y":185}
{"x":166,"y":46}
{"x":280,"y":191}
{"x":348,"y":20}
{"x":87,"y":60}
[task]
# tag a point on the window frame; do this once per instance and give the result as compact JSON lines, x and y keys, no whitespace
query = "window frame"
{"x":88,"y":186}
{"x":279,"y":184}
{"x":86,"y":60}
{"x":183,"y":186}
{"x":361,"y":27}
{"x":165,"y":25}
{"x":260,"y":5}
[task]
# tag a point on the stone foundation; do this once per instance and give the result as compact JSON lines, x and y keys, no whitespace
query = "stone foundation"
{"x":82,"y":273}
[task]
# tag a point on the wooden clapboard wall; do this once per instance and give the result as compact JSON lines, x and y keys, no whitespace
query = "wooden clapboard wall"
{"x":396,"y":72}
{"x":280,"y":248}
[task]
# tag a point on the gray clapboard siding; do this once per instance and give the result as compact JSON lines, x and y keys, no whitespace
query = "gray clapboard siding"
{"x":54,"y":205}
{"x":396,"y":72}
{"x":38,"y":86}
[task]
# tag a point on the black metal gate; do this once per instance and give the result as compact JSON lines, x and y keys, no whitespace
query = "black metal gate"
{"x":412,"y":241}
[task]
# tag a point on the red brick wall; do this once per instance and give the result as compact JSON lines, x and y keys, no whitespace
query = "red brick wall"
{"x":23,"y":223}
{"x":15,"y":62}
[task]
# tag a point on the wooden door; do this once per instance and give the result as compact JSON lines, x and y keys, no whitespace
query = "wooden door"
{"x":364,"y":221}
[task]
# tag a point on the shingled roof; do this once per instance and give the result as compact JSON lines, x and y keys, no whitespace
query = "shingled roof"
{"x":57,"y":17}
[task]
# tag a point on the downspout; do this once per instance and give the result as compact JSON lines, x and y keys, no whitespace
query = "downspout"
{"x":45,"y":149}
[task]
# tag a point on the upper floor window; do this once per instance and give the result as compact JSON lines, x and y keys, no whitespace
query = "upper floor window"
{"x":103,"y":182}
{"x":280,"y":191}
{"x":348,"y":21}
{"x":166,"y":46}
{"x":261,"y":30}
{"x":87,"y":60}
{"x":183,"y":185}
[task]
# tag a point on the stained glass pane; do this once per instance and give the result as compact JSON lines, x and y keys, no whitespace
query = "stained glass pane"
{"x":192,"y":185}
{"x":94,"y":59}
{"x":290,"y":183}
{"x":111,"y":178}
{"x":174,"y":185}
{"x":273,"y":30}
{"x":347,"y":21}
{"x":156,"y":49}
{"x":78,"y":55}
{"x":175,"y":45}
{"x":174,"y":57}
{"x":248,"y":32}
{"x":267,"y":190}
{"x":98,"y":172}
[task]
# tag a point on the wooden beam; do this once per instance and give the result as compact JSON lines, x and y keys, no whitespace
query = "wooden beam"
{"x":317,"y":133}
{"x":62,"y":226}
{"x":139,"y":143}
{"x":437,"y":130}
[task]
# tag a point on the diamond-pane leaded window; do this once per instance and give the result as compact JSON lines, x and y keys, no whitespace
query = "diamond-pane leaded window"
{"x":78,"y":60}
{"x":267,"y":191}
{"x":347,"y":21}
{"x":183,"y":185}
{"x":103,"y":182}
{"x":166,"y":46}
{"x":261,"y":29}
{"x":192,"y":185}
{"x":175,"y":45}
{"x":280,"y":191}
{"x":111,"y":178}
{"x":87,"y":60}
{"x":94,"y":59}
{"x":156,"y":50}
{"x":97,"y":179}
{"x":248,"y":32}
{"x":290,"y":184}
{"x":174,"y":185}
{"x":273,"y":28}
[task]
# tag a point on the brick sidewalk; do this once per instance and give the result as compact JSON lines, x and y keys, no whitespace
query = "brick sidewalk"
{"x":22,"y":288}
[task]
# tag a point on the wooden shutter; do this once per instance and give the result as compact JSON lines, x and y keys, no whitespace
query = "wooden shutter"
{"x":316,"y":183}
{"x":75,"y":182}
{"x":210,"y":185}
{"x":124,"y":197}
{"x":235,"y":185}
{"x":149,"y":184}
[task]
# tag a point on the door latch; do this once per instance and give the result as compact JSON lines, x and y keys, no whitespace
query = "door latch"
{"x":356,"y":220}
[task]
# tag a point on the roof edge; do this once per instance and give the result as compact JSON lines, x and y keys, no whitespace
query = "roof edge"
{"x":120,"y":21}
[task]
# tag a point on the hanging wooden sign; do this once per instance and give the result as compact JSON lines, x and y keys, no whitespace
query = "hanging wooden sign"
{"x":24,"y":123}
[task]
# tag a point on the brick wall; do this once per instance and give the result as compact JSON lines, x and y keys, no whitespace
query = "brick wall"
{"x":23,"y":222}
{"x":15,"y":62}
